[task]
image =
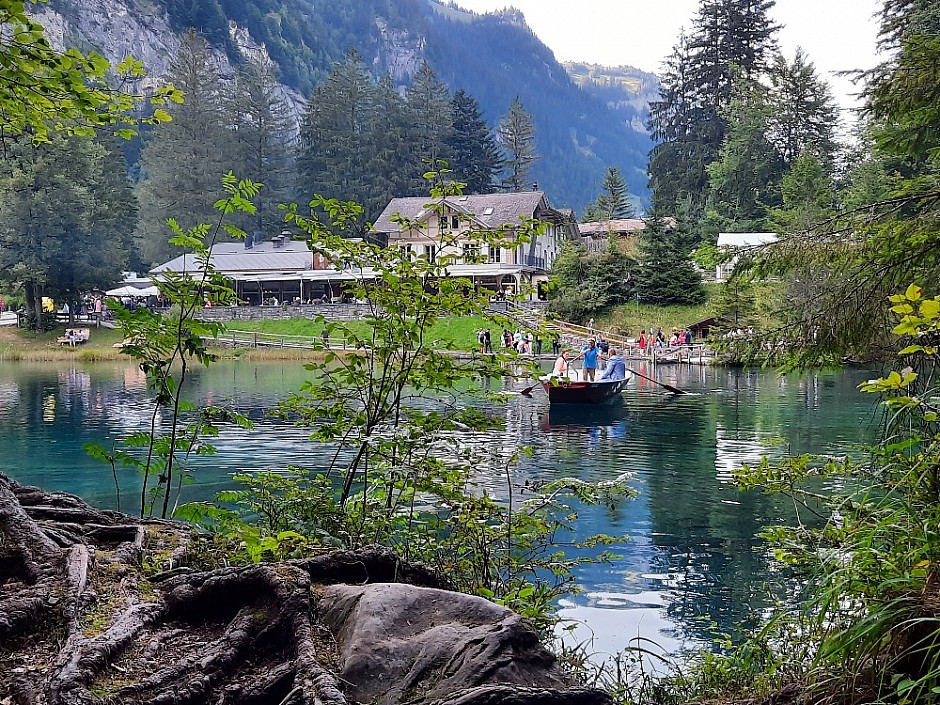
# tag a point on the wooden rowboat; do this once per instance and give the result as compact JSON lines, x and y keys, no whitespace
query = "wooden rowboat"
{"x":564,"y":391}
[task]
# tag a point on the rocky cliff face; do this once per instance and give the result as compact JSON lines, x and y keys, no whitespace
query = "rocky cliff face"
{"x":117,"y":29}
{"x":584,"y":123}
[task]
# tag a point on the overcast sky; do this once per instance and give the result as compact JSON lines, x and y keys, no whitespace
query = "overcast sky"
{"x":837,"y":35}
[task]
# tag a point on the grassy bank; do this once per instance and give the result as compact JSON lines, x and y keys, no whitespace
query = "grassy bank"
{"x":462,"y":331}
{"x":19,"y":344}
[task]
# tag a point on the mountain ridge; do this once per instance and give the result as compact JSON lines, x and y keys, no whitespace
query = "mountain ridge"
{"x":580,"y":130}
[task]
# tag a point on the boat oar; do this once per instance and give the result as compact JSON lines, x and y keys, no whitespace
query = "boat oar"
{"x":674,"y":390}
{"x":528,"y":390}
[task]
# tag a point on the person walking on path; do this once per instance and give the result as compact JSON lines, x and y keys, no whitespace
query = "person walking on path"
{"x":616,"y":367}
{"x":591,"y":326}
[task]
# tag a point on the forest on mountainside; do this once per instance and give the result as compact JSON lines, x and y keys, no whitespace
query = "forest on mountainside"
{"x":492,"y":57}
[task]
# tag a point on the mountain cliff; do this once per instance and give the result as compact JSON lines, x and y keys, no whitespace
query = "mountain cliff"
{"x":581,"y":127}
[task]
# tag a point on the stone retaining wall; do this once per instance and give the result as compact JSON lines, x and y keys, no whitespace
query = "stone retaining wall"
{"x":331,"y":312}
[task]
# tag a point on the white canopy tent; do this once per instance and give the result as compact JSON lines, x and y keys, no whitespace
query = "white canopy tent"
{"x":133,"y":291}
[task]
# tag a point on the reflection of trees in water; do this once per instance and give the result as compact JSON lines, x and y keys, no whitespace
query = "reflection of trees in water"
{"x":704,"y":528}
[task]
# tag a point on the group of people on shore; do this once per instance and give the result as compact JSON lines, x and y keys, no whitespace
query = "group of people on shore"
{"x":524,"y":343}
{"x":659,"y":340}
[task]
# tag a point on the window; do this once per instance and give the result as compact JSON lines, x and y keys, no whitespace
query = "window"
{"x":495,"y":254}
{"x":471,"y":253}
{"x":455,"y":222}
{"x":442,"y":223}
{"x":430,"y":251}
{"x":406,"y":252}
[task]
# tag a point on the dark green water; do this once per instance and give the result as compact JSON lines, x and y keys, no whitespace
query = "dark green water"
{"x":692,"y":555}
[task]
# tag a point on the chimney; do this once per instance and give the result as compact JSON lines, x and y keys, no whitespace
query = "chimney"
{"x":535,"y":185}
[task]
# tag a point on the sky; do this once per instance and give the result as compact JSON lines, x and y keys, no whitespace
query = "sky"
{"x":837,"y":35}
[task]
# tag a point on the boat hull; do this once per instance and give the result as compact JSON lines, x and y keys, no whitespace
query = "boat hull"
{"x":563,"y":391}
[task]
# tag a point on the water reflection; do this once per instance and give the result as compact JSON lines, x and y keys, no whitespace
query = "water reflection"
{"x":691,"y":557}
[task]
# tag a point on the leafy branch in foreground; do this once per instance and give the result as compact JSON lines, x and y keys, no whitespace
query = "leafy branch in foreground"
{"x":405,"y":455}
{"x":165,"y":345}
{"x":42,"y":89}
{"x":869,"y":626}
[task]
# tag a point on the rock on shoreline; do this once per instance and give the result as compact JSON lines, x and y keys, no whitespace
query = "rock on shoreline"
{"x":86,"y":618}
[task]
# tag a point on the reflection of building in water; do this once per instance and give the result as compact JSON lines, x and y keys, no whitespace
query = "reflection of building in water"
{"x":48,"y":408}
{"x":732,"y":452}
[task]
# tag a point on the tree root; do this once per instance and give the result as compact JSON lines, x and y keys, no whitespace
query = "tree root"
{"x":82,"y":623}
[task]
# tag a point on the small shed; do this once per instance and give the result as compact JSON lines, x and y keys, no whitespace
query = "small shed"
{"x":703,"y":328}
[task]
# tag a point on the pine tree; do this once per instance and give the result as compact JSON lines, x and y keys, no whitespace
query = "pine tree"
{"x":431,"y":111}
{"x":183,"y":160}
{"x":516,"y":135}
{"x":266,"y":136}
{"x":336,"y":138}
{"x":475,"y":157}
{"x":666,"y":274}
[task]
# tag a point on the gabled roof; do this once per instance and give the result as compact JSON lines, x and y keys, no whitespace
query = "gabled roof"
{"x":602,"y":227}
{"x":488,"y":210}
{"x":229,"y":257}
{"x":745,"y":239}
{"x":596,"y":228}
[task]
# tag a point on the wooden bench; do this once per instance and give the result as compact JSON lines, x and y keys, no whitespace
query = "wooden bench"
{"x":77,"y":337}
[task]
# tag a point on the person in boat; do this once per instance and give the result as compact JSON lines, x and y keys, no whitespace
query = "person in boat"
{"x":589,"y":352}
{"x":561,"y":365}
{"x":616,"y":368}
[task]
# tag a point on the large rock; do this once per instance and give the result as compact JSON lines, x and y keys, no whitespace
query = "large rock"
{"x":101,"y":607}
{"x":401,"y":643}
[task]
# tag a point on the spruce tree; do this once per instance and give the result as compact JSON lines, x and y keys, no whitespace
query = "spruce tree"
{"x":475,"y":158}
{"x":666,"y":274}
{"x":732,"y":39}
{"x":745,"y":177}
{"x":66,"y":209}
{"x":336,"y":140}
{"x":183,"y":159}
{"x":266,"y":137}
{"x":430,"y":108}
{"x":804,"y":113}
{"x":391,"y":153}
{"x":516,"y":135}
{"x":614,"y":202}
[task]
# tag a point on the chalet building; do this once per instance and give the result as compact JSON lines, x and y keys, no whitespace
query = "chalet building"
{"x":596,"y":234}
{"x":446,"y":227}
{"x":286,"y":271}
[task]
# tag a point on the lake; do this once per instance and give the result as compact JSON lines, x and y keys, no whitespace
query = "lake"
{"x":692,"y":557}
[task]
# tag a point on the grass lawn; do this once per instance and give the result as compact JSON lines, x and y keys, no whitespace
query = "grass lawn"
{"x":19,"y":344}
{"x":462,"y":331}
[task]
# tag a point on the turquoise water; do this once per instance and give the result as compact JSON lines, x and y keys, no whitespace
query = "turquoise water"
{"x":692,"y":557}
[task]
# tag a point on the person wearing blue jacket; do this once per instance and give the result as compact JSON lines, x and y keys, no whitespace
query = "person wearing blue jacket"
{"x":616,"y":367}
{"x":589,"y":366}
